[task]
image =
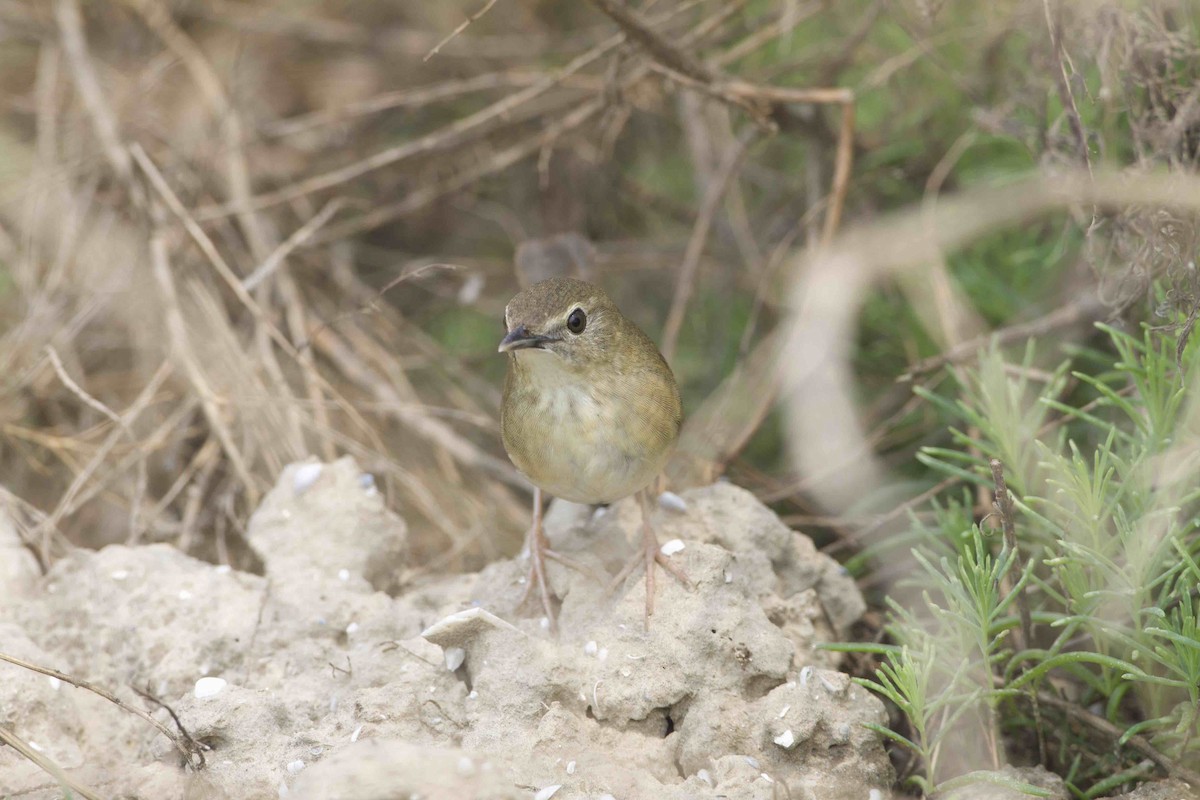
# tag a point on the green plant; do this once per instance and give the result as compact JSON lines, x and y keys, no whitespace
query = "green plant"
{"x":1101,"y":466}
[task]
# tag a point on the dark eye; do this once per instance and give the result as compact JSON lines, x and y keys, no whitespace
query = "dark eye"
{"x":576,"y":321}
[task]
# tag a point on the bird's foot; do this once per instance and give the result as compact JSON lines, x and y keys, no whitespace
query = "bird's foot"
{"x":651,"y":553}
{"x":539,"y":553}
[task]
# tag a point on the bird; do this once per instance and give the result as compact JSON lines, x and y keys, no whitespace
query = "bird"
{"x":590,"y":413}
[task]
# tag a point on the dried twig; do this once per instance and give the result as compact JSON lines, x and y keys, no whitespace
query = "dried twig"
{"x":52,"y":769}
{"x":453,"y":135}
{"x":461,"y":27}
{"x":192,"y":750}
{"x":1004,"y":506}
{"x":691,"y":259}
{"x":1083,"y":310}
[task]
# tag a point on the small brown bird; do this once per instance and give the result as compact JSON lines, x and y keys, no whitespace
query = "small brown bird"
{"x":590,"y":412}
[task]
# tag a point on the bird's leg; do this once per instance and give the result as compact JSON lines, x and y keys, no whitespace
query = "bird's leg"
{"x":651,"y":554}
{"x":536,"y":544}
{"x":539,"y":552}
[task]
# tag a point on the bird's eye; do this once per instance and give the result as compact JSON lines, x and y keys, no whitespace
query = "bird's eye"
{"x":576,"y":321}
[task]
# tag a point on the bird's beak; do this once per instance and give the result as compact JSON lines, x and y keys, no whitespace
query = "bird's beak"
{"x":519,"y":338}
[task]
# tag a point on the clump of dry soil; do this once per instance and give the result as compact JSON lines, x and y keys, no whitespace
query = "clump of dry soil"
{"x":330,"y":685}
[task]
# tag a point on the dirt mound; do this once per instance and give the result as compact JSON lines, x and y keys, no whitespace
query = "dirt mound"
{"x":322,"y":680}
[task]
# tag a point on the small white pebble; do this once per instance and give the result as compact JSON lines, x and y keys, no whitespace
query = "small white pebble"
{"x":120,"y":574}
{"x":805,"y":674}
{"x":570,"y":767}
{"x":352,"y":629}
{"x":357,"y":732}
{"x":786,"y":739}
{"x":548,"y":792}
{"x":590,"y":648}
{"x":184,"y":594}
{"x":830,"y":686}
{"x":766,"y":777}
{"x":544,"y":622}
{"x":599,"y":512}
{"x":366,"y":481}
{"x":465,"y":767}
{"x":728,"y":576}
{"x":603,"y":654}
{"x":672,"y":502}
{"x":343,"y":575}
{"x":455,"y":656}
{"x":224,"y":569}
{"x":55,"y":683}
{"x":875,"y":794}
{"x":209,"y":687}
{"x":672,"y":547}
{"x":704,"y":776}
{"x":35,"y":746}
{"x":474,"y":695}
{"x":283,"y":790}
{"x":295,"y":766}
{"x":305,"y":476}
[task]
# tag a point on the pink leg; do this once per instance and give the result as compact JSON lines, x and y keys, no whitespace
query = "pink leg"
{"x":651,"y":554}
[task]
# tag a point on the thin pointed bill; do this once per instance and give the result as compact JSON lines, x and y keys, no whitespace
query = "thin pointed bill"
{"x":520,"y":338}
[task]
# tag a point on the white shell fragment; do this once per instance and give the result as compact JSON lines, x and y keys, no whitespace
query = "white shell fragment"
{"x":875,"y":794}
{"x":465,"y":766}
{"x":305,"y":476}
{"x":786,"y":739}
{"x":455,"y":657}
{"x":357,"y":732}
{"x":672,"y":502}
{"x":343,"y":575}
{"x":672,"y":547}
{"x":294,"y":766}
{"x":547,"y":792}
{"x":463,"y":626}
{"x":570,"y":767}
{"x":783,"y":711}
{"x":209,"y":687}
{"x":704,"y":776}
{"x":590,"y":649}
{"x":120,"y":574}
{"x":352,"y":629}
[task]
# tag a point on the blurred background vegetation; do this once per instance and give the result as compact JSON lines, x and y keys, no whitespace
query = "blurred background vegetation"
{"x":234,"y":234}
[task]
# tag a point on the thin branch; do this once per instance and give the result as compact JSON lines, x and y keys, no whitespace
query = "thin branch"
{"x":457,"y":133}
{"x":1139,"y":743}
{"x":189,"y":747}
{"x":659,"y":48}
{"x":695,"y":248}
{"x":52,"y":769}
{"x":1087,"y":309}
{"x":461,"y":27}
{"x":297,"y":239}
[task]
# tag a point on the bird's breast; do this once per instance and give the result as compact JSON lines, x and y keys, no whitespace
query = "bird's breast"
{"x":583,"y":442}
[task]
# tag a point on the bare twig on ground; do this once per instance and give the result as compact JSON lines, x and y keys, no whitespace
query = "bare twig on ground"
{"x":192,"y":750}
{"x":52,"y":769}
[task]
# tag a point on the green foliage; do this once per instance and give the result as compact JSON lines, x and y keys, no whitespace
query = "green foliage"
{"x":1108,"y":525}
